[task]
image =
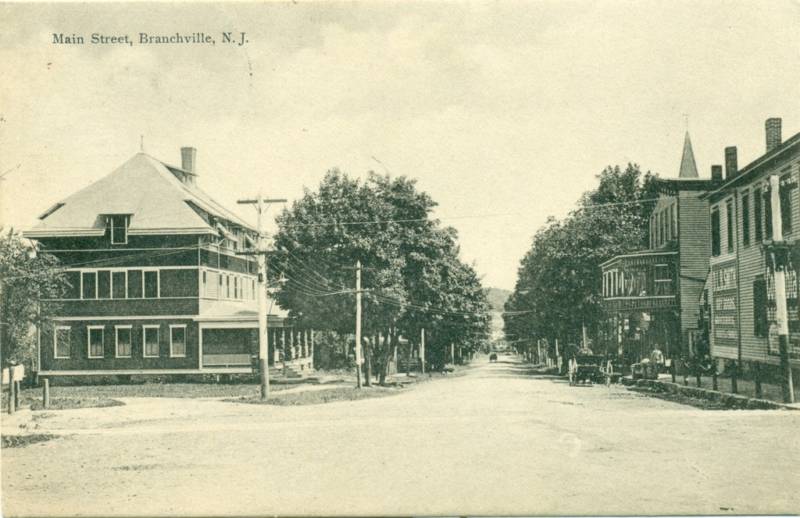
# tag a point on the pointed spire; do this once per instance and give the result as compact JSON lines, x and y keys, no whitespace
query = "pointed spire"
{"x":688,"y":165}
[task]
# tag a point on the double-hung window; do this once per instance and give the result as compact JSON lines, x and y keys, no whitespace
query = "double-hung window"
{"x":150,"y":341}
{"x":89,"y":285}
{"x":729,"y":224}
{"x":760,"y":318}
{"x":715,"y":232}
{"x":103,"y":284}
{"x":785,"y":196}
{"x":746,"y":218}
{"x":95,"y":339}
{"x":150,"y":284}
{"x":758,"y":215}
{"x":767,"y":213}
{"x":123,"y":336}
{"x":177,"y":341}
{"x":119,"y":229}
{"x":119,"y":284}
{"x":62,"y":342}
{"x":663,"y":279}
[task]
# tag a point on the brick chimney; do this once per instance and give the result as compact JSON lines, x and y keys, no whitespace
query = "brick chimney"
{"x":773,"y":130}
{"x":731,"y":163}
{"x":189,"y":164}
{"x":716,"y":173}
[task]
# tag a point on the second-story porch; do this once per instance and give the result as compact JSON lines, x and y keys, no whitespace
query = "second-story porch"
{"x":640,"y":298}
{"x":641,"y":281}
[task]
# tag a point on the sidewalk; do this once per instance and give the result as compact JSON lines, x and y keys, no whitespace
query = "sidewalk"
{"x":716,"y":399}
{"x":770,"y":391}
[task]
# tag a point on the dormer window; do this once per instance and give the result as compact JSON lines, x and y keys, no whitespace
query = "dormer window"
{"x":118,"y":225}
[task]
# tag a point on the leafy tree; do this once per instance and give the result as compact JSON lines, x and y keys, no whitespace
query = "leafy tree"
{"x":410,"y":267}
{"x":26,"y":277}
{"x":559,"y":282}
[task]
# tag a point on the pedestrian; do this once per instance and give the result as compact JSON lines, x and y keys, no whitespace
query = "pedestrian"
{"x":573,"y":370}
{"x":656,"y":361}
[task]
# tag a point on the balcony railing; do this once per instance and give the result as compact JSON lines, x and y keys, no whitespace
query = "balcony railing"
{"x":644,"y":280}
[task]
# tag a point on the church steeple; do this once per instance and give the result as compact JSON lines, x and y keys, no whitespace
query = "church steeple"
{"x":688,"y":165}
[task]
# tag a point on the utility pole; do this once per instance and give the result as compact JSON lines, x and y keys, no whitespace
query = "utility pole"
{"x":780,"y":258}
{"x":261,"y":256}
{"x":358,"y":324}
{"x":584,"y":337}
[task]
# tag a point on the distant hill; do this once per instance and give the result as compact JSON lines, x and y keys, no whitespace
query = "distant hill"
{"x":497,"y":298}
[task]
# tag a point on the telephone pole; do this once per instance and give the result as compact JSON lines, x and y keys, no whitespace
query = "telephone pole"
{"x":261,"y":256}
{"x":358,"y":324}
{"x":780,"y":258}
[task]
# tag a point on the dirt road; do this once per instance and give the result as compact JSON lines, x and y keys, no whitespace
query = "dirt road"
{"x":495,"y":441}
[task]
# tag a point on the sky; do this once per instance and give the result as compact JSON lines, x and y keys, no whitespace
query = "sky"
{"x":504,"y":112}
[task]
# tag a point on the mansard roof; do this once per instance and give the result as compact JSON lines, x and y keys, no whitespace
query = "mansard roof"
{"x":147,"y":190}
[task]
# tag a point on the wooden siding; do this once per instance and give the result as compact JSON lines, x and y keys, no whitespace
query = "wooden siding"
{"x":727,"y":347}
{"x":79,"y":357}
{"x":694,"y":249}
{"x":127,"y":258}
{"x":752,"y":264}
{"x":124,"y":307}
{"x":104,"y":243}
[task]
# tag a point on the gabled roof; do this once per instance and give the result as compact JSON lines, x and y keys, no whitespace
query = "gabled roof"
{"x":688,"y":166}
{"x":144,"y":188}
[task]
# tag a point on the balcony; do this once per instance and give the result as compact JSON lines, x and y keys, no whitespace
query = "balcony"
{"x":641,"y":281}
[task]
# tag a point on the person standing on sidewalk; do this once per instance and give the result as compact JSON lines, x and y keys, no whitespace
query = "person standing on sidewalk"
{"x":573,"y":370}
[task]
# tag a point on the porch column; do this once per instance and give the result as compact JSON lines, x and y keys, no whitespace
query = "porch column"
{"x":276,"y":357}
{"x":305,"y":343}
{"x":283,"y":343}
{"x":292,"y":353}
{"x":301,"y":347}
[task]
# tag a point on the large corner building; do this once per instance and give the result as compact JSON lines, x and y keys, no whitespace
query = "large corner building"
{"x":156,"y":285}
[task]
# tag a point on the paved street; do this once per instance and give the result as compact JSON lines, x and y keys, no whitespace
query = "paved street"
{"x":495,"y":441}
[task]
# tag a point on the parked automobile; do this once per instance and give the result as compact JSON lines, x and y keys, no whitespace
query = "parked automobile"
{"x":589,"y":368}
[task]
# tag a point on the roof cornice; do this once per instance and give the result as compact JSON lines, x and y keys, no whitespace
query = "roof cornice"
{"x":63,"y":232}
{"x":755,"y":167}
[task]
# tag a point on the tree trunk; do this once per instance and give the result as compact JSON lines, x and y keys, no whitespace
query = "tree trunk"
{"x":368,"y":362}
{"x":409,"y":353}
{"x":388,"y":348}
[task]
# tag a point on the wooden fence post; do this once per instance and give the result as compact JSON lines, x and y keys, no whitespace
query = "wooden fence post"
{"x":46,"y":393}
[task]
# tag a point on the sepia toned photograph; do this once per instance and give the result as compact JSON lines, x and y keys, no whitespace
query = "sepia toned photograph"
{"x":400,"y":258}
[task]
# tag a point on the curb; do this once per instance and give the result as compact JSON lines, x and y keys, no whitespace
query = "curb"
{"x":734,"y":401}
